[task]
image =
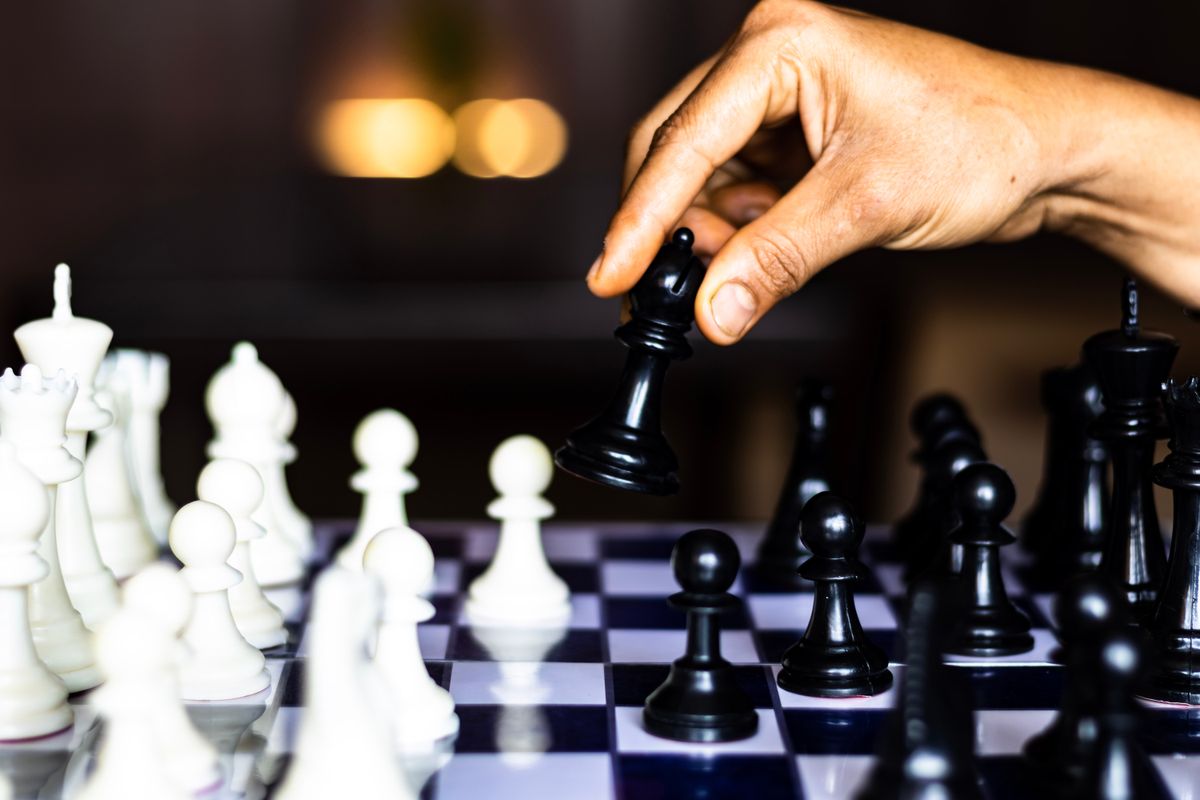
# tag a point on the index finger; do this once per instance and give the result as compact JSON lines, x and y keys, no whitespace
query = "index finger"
{"x":712,"y":124}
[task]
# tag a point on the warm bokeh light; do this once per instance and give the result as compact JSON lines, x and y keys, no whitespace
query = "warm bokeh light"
{"x":521,"y":138}
{"x":385,"y":138}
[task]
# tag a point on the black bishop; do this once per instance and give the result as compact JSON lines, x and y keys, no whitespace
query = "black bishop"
{"x":624,"y":447}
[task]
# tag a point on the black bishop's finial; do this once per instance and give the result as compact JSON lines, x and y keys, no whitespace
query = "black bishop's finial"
{"x":1129,"y":316}
{"x":624,"y":447}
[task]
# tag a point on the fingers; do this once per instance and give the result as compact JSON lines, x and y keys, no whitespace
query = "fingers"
{"x":820,"y":221}
{"x":708,"y":129}
{"x":740,"y":203}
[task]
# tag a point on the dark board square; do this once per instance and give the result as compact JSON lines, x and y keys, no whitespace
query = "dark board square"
{"x":1171,"y":730}
{"x":645,"y":613}
{"x":681,"y":777}
{"x":580,"y":578}
{"x":1014,"y":687}
{"x":631,"y":683}
{"x":532,"y":729}
{"x":822,"y":731}
{"x":658,"y":548}
{"x":579,"y":646}
{"x":445,"y":608}
{"x":445,"y":546}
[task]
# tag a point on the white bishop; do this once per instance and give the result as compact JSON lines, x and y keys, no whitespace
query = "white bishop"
{"x":245,"y":400}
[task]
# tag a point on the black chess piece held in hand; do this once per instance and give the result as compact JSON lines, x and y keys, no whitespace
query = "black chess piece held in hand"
{"x":834,"y":658}
{"x":700,"y":700}
{"x":991,"y":625}
{"x":624,"y":447}
{"x":1132,"y":365}
{"x":1175,"y":675}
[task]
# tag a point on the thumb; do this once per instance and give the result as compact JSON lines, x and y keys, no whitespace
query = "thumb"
{"x":818,"y":222}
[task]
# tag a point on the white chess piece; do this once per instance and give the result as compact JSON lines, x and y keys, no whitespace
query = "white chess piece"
{"x":236,"y":487}
{"x":148,"y":377}
{"x":123,"y":536}
{"x":295,"y":523}
{"x":222,"y":665}
{"x":33,"y":701}
{"x":161,"y":598}
{"x":76,"y":346}
{"x":345,"y":746}
{"x":33,"y":413}
{"x":518,"y":587}
{"x":385,"y":444}
{"x":130,"y":764}
{"x":424,"y":712}
{"x":244,"y":401}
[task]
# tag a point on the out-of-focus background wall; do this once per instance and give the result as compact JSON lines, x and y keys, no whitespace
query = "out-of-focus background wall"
{"x":190,"y":160}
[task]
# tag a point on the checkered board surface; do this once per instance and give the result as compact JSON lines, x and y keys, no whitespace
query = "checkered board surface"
{"x":557,"y":714}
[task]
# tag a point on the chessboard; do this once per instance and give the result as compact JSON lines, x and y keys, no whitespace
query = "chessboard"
{"x":556,"y":712}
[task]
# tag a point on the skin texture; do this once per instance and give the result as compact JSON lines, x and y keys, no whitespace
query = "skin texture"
{"x":817,"y":131}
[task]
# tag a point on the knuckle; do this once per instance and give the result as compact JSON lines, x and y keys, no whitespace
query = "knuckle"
{"x":790,"y":18}
{"x":780,"y":260}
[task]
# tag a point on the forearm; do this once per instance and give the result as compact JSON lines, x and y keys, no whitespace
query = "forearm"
{"x":1124,"y":176}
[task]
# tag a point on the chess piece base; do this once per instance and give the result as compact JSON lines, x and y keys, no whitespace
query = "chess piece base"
{"x":620,"y":457}
{"x":700,"y":705}
{"x":850,"y":671}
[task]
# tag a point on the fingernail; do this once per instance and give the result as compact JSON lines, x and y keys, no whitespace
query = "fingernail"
{"x":595,"y":269}
{"x":733,"y":306}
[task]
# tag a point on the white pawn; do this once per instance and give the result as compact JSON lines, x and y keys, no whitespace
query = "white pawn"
{"x":34,"y":700}
{"x":244,"y":401}
{"x":424,"y":712}
{"x":385,"y":444}
{"x":345,"y":746}
{"x":33,"y":413}
{"x":236,"y":487}
{"x":519,"y":588}
{"x":122,"y":533}
{"x":222,"y":665}
{"x":130,"y":764}
{"x":149,"y":380}
{"x":295,"y":523}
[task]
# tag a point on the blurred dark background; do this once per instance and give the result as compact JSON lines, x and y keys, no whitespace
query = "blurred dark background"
{"x":172,"y":154}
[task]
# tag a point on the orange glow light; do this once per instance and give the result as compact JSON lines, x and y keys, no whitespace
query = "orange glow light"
{"x":385,"y":138}
{"x":521,"y":138}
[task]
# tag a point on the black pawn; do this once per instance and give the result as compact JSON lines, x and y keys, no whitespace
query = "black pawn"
{"x":780,"y":552}
{"x":1086,"y":608}
{"x":1132,"y":365}
{"x":935,"y":421}
{"x":927,"y":747}
{"x":991,"y":625}
{"x":931,"y":552}
{"x":1175,"y":626}
{"x":1066,"y":529}
{"x":834,"y":658}
{"x":700,"y":700}
{"x":1117,"y":767}
{"x":624,"y":447}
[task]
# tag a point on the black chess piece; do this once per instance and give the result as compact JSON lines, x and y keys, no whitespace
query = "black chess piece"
{"x":927,"y":748}
{"x":1132,"y":365}
{"x":931,"y":551}
{"x":1067,"y":527}
{"x":991,"y":625}
{"x":1086,"y":607}
{"x":624,"y":446}
{"x":936,"y":420}
{"x":1175,"y":626}
{"x":834,"y":658}
{"x":700,"y":701}
{"x":1117,"y":768}
{"x":780,"y":552}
